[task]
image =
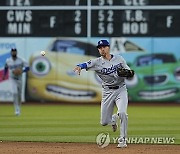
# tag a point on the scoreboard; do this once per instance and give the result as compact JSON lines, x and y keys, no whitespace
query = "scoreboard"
{"x":89,"y":18}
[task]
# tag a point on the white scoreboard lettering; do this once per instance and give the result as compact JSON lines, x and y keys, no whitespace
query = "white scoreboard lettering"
{"x":89,"y":18}
{"x":19,"y":22}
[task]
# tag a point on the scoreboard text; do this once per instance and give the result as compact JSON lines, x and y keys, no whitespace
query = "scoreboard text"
{"x":89,"y":18}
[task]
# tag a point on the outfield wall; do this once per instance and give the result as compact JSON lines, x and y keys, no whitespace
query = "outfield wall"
{"x":156,"y":62}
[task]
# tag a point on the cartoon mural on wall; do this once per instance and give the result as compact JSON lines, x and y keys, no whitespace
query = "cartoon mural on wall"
{"x":157,"y":78}
{"x":156,"y":62}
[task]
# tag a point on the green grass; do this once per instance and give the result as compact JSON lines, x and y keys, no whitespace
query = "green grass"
{"x":70,"y":123}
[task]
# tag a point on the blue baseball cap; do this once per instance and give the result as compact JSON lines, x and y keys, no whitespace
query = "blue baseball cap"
{"x":13,"y":49}
{"x":103,"y":43}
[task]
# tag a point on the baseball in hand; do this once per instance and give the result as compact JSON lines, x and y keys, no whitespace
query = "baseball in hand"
{"x":43,"y":53}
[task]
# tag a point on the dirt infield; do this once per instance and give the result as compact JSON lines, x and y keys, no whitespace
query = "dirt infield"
{"x":83,"y":148}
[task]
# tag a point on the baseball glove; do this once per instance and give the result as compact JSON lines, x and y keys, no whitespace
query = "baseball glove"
{"x":122,"y":72}
{"x":17,"y":71}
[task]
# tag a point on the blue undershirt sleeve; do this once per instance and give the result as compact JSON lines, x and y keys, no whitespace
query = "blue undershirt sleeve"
{"x":26,"y":69}
{"x":5,"y":70}
{"x":83,"y":65}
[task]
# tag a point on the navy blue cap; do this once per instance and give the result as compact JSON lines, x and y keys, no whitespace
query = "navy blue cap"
{"x":13,"y":49}
{"x":103,"y":43}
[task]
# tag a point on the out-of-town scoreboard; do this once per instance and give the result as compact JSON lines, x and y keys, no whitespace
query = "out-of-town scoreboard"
{"x":89,"y":18}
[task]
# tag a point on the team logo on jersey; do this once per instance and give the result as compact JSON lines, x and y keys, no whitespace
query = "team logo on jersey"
{"x":15,"y":66}
{"x":111,"y":69}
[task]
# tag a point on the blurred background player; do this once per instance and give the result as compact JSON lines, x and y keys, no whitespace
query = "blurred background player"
{"x":16,"y":67}
{"x":114,"y":91}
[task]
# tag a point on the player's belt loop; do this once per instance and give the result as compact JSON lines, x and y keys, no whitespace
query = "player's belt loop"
{"x":115,"y":87}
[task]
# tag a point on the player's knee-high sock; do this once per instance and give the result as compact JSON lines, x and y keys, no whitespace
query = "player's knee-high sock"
{"x":19,"y":102}
{"x":124,"y":123}
{"x":114,"y":119}
{"x":16,"y":103}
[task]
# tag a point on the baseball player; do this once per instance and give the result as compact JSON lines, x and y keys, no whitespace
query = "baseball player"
{"x":16,"y":67}
{"x":113,"y":70}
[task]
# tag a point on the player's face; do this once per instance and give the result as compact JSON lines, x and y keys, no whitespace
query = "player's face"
{"x":14,"y":54}
{"x":103,"y":50}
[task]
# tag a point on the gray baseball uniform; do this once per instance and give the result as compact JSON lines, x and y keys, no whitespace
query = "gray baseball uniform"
{"x":16,"y":80}
{"x":113,"y":89}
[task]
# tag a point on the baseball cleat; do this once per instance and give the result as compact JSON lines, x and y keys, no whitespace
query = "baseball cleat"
{"x":114,"y":119}
{"x":114,"y":127}
{"x":121,"y":143}
{"x":17,"y":112}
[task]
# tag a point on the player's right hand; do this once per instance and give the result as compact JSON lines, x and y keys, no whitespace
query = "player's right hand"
{"x":77,"y":69}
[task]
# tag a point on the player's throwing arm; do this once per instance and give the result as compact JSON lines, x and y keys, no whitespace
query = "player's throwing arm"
{"x":79,"y":67}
